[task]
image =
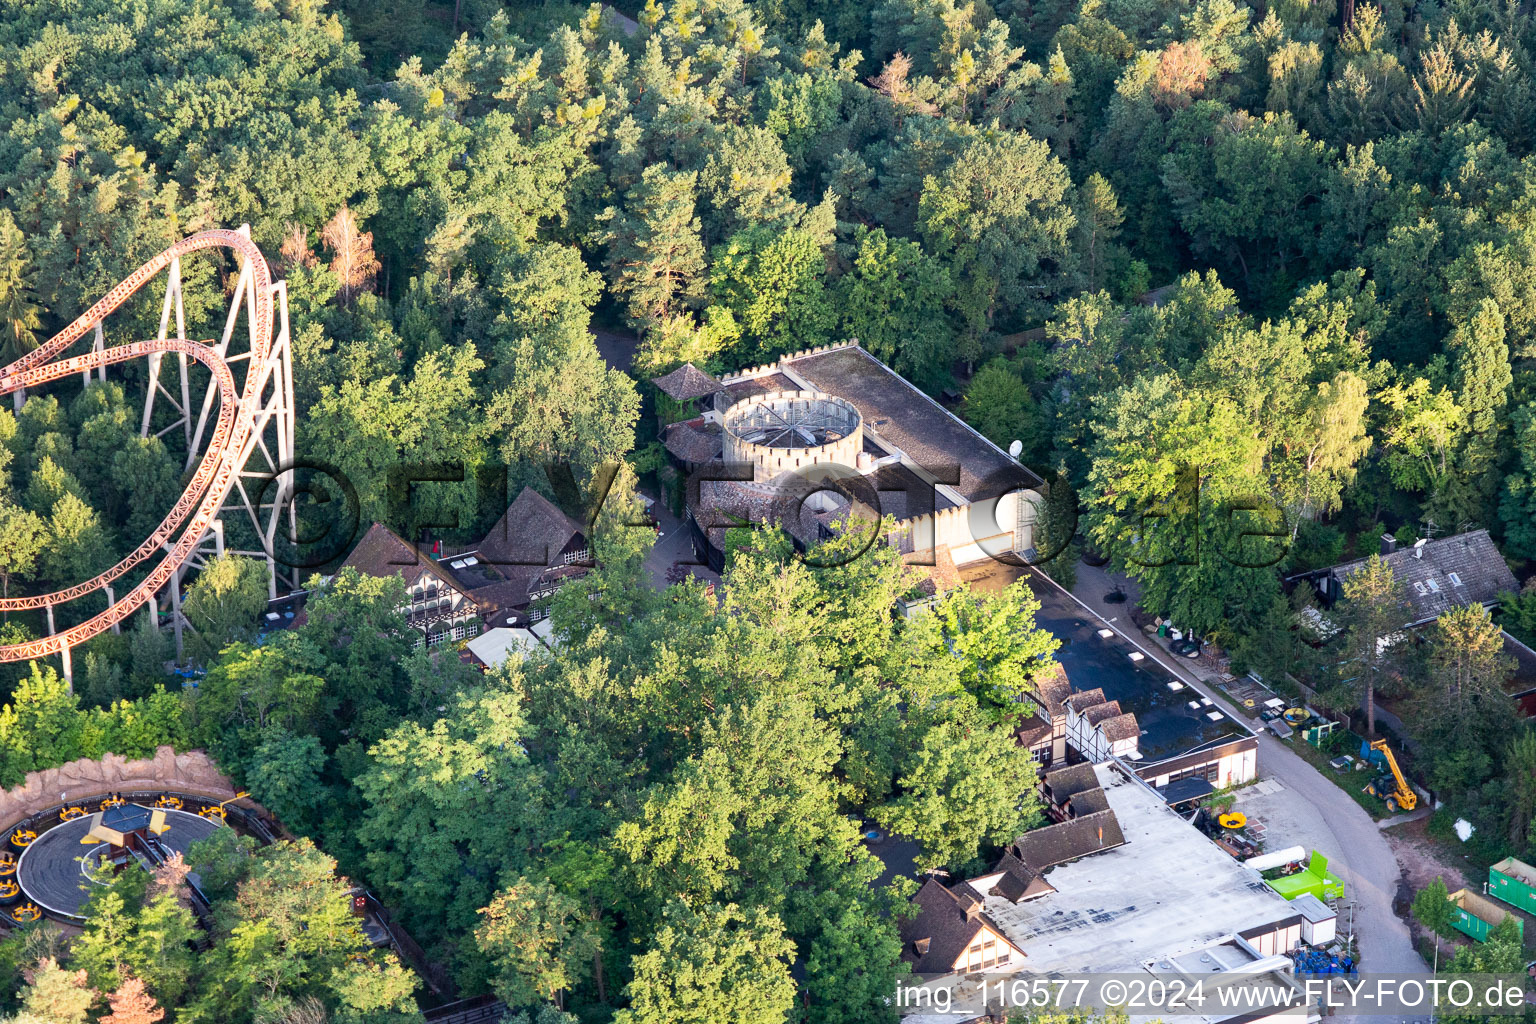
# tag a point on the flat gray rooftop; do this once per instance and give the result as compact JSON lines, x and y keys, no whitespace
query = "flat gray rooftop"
{"x":899,"y":413}
{"x":1167,"y":892}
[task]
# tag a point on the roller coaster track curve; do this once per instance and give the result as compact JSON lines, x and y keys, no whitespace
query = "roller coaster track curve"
{"x":235,"y":432}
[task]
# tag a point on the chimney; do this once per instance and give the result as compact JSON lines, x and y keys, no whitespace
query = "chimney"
{"x":921,"y":945}
{"x":1388,"y":544}
{"x":1418,"y":548}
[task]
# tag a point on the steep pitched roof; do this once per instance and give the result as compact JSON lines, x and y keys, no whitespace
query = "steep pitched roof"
{"x":1019,"y":881}
{"x":1102,"y":712}
{"x":1120,"y":727}
{"x":513,"y":591}
{"x":1426,"y":573}
{"x":1082,"y":700}
{"x":686,"y":383}
{"x":1068,"y":840}
{"x":532,"y":531}
{"x":1029,"y":731}
{"x":1075,"y":787}
{"x":383,"y":553}
{"x":694,"y":440}
{"x":1063,"y":784}
{"x":942,"y":929}
{"x":1054,"y":691}
{"x":1089,"y":802}
{"x":939,"y":578}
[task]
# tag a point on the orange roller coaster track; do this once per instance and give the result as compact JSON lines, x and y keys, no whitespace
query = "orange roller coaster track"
{"x":255,"y":417}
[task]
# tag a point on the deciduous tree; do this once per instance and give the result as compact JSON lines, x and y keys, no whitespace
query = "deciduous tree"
{"x":537,"y":940}
{"x":351,"y":249}
{"x":712,"y":965}
{"x":961,"y":762}
{"x":57,"y":995}
{"x":224,"y":604}
{"x":131,"y":1004}
{"x":22,"y":537}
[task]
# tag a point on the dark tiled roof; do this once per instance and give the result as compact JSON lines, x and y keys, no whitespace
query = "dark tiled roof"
{"x":505,"y":598}
{"x":1018,"y":883}
{"x":511,"y":594}
{"x":736,"y":390}
{"x":939,"y":578}
{"x":1085,"y":699}
{"x":1089,"y":802}
{"x":1054,"y":691}
{"x":1063,"y":784}
{"x":1121,"y":727}
{"x":903,"y":495}
{"x":1426,"y":576}
{"x":1031,"y":730}
{"x":1076,"y":787}
{"x":687,"y":382}
{"x":694,"y":440}
{"x":532,"y":531}
{"x":383,"y":553}
{"x":724,"y":504}
{"x":943,"y":927}
{"x":899,"y":413}
{"x":1524,"y":677}
{"x":1102,"y":712}
{"x":1068,"y":840}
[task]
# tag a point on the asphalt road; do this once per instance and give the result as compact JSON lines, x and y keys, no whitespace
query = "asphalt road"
{"x":1351,"y":839}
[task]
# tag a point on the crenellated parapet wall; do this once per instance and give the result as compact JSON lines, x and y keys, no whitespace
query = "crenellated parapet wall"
{"x":784,"y":413}
{"x":774,"y":367}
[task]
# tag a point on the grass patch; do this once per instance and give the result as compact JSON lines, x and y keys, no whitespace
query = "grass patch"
{"x":1351,"y":782}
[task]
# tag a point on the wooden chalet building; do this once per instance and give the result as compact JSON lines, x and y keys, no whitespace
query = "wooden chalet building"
{"x":533,"y":549}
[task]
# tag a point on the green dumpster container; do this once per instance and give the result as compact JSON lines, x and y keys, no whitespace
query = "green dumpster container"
{"x":1514,"y":882}
{"x":1478,"y":917}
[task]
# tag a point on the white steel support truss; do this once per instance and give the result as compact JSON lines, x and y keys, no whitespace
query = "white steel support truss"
{"x":240,"y":462}
{"x":262,"y":495}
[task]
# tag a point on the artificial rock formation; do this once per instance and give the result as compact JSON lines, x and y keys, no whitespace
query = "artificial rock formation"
{"x":192,"y":773}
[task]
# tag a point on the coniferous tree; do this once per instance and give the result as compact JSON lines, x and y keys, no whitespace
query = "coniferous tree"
{"x":655,"y":256}
{"x":19,"y":315}
{"x":1372,"y":615}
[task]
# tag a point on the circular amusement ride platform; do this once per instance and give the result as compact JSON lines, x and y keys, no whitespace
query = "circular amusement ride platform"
{"x":55,"y":869}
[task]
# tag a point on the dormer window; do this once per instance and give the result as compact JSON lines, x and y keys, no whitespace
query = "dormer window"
{"x":921,"y":945}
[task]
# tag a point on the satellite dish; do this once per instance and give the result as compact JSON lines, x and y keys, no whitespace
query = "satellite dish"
{"x":1015,"y":448}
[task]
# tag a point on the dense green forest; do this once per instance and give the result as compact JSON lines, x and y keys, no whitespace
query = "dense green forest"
{"x":1273,"y":257}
